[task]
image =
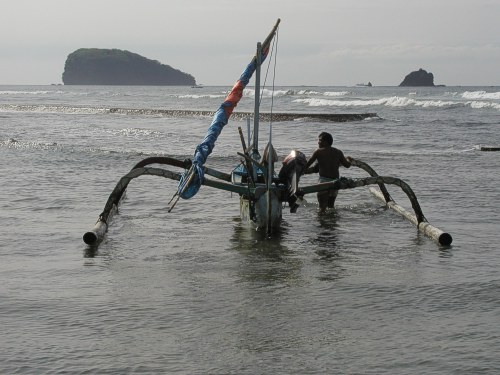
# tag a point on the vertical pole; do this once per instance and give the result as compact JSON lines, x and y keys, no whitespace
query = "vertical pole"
{"x":270,"y":170}
{"x":249,"y":132}
{"x":257,"y":100}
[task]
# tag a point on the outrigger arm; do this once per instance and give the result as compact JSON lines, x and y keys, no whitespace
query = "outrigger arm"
{"x":100,"y":228}
{"x":418,"y":219}
{"x":94,"y":236}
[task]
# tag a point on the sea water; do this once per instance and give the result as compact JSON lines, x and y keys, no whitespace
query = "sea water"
{"x":196,"y":291}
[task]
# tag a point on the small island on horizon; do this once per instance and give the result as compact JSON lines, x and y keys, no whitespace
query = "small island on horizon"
{"x":94,"y":66}
{"x":418,"y":78}
{"x":369,"y":84}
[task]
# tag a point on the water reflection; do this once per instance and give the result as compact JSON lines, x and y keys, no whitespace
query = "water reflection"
{"x":265,"y":258}
{"x":246,"y":239}
{"x":326,"y":237}
{"x":445,"y":251}
{"x":326,"y":241}
{"x":90,"y":251}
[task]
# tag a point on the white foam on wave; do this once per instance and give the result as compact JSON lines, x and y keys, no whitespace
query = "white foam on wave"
{"x":436,"y":103}
{"x":37,"y":92}
{"x":42,"y":108}
{"x":393,"y":101}
{"x":201,"y":96}
{"x":307,"y":92}
{"x":318,"y":102}
{"x":481,"y":95}
{"x":267,"y":93}
{"x":13,"y":143}
{"x":336,"y":93}
{"x":138,"y":133}
{"x":482,"y":105}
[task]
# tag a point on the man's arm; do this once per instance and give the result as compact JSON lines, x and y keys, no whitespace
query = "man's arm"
{"x":345,"y":161}
{"x":311,"y":160}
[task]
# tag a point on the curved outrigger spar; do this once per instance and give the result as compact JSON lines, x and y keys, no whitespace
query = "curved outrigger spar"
{"x":262,"y":194}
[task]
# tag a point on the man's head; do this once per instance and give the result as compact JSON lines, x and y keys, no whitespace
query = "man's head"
{"x":325,"y":138}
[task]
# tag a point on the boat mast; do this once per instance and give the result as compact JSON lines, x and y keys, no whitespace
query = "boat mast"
{"x":255,"y":151}
{"x":270,"y":172}
{"x":258,"y":57}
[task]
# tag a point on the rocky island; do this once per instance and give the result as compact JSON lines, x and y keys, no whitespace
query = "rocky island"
{"x":94,"y":66}
{"x":418,"y":78}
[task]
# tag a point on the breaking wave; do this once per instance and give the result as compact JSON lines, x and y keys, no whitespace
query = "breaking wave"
{"x":201,"y":96}
{"x":267,"y":93}
{"x":336,"y":93}
{"x":180,"y":113}
{"x":44,"y":108}
{"x":397,"y":101}
{"x":481,"y":95}
{"x":36,"y":92}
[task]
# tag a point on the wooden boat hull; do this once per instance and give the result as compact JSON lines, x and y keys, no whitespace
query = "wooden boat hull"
{"x":258,"y":213}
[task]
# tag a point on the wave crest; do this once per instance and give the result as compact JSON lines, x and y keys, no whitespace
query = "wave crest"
{"x":481,"y":95}
{"x":396,"y":101}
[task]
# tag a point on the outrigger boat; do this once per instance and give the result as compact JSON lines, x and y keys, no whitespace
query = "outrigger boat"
{"x":262,"y":193}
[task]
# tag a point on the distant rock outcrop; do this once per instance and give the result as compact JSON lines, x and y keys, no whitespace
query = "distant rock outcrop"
{"x":418,"y":78}
{"x":93,"y":66}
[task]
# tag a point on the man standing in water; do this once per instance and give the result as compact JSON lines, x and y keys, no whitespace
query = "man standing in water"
{"x":329,"y":159}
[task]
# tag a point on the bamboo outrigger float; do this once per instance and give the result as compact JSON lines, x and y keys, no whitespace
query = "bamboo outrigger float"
{"x":262,"y":193}
{"x":489,"y":148}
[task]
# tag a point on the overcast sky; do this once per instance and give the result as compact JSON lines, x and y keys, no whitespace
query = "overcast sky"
{"x":321,"y":42}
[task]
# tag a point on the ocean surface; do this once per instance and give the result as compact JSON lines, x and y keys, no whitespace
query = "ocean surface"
{"x":196,"y":291}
